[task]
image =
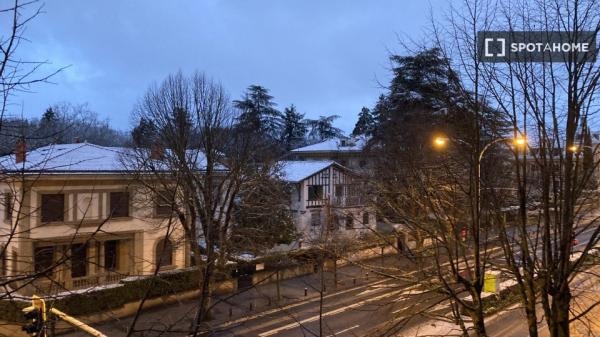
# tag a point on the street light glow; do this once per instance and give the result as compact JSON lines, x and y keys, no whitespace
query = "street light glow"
{"x":520,"y":141}
{"x":440,"y":141}
{"x":574,"y":148}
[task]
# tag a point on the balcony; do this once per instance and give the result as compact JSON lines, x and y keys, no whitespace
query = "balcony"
{"x":312,"y":203}
{"x":345,"y":201}
{"x":348,"y":201}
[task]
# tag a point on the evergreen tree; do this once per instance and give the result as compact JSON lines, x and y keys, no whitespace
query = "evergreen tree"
{"x":258,"y":113}
{"x":49,"y":116}
{"x":322,"y":129}
{"x":365,"y":124}
{"x":144,"y":134}
{"x":49,"y":127}
{"x":294,"y":128}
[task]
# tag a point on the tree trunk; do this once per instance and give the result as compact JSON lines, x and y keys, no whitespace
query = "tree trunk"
{"x":559,"y":325}
{"x":205,"y":292}
{"x":278,"y":285}
{"x":335,"y":274}
{"x":479,"y":324}
{"x":322,"y":275}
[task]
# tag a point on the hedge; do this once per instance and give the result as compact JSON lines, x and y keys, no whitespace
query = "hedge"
{"x":113,"y":297}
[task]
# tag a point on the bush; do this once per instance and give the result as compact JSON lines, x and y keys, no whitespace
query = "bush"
{"x":103,"y":299}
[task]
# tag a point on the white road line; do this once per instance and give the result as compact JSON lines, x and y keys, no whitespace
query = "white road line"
{"x":331,"y":313}
{"x":315,"y":299}
{"x":345,"y":330}
{"x":293,"y":305}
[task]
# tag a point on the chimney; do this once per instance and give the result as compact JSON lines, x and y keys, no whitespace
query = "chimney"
{"x":157,"y":151}
{"x":20,"y":151}
{"x":77,"y":140}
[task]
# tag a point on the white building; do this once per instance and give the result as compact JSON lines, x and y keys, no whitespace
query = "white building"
{"x":72,"y":217}
{"x":348,"y":152}
{"x":327,"y":198}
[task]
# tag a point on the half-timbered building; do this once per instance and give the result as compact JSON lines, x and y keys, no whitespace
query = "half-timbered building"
{"x":327,"y":197}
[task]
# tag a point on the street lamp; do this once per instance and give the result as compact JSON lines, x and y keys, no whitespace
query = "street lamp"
{"x":519,"y":142}
{"x":440,"y":141}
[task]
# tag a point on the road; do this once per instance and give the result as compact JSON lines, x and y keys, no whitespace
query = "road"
{"x":378,"y":306}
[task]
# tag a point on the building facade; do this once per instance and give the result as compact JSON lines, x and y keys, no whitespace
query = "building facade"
{"x":73,"y":217}
{"x":327,"y":198}
{"x":348,"y":152}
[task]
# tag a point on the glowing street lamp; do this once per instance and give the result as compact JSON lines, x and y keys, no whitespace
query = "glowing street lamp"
{"x":520,"y":142}
{"x":440,"y":141}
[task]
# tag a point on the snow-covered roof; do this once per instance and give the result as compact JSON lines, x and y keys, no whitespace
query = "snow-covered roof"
{"x":81,"y":158}
{"x":296,"y":171}
{"x":336,"y":145}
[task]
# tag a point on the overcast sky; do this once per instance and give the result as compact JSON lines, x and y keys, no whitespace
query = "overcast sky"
{"x":326,"y":57}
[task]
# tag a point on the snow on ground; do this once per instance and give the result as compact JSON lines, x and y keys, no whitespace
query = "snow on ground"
{"x":434,"y":328}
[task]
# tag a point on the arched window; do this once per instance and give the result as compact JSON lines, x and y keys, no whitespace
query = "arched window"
{"x":164,"y":252}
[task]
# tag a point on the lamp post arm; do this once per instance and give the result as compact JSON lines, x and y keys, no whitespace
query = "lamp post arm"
{"x":488,"y":145}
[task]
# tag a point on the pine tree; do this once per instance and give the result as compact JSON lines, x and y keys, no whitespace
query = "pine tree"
{"x":258,"y":112}
{"x":365,"y":124}
{"x":322,"y":129}
{"x":144,"y":134}
{"x":294,"y":128}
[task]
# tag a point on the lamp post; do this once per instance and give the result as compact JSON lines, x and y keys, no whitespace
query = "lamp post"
{"x":442,"y":141}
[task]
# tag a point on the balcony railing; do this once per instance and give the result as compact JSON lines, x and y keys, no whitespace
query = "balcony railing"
{"x":347,"y":201}
{"x":316,"y":202}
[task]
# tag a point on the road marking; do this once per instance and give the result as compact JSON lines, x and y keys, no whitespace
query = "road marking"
{"x":332,"y":312}
{"x":293,"y":305}
{"x":316,"y":299}
{"x":345,"y":330}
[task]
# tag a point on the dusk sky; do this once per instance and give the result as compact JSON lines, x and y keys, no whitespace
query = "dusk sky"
{"x":326,"y":57}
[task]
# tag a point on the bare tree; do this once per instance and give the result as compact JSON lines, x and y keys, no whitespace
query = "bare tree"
{"x":554,"y":103}
{"x":199,"y":148}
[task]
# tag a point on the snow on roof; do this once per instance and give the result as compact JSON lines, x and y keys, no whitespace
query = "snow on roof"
{"x":80,"y":158}
{"x":296,"y":171}
{"x":336,"y":144}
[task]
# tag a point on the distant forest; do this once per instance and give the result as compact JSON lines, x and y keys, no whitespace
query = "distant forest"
{"x":60,"y":123}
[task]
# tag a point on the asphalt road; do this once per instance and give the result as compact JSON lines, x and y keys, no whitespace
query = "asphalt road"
{"x":377,"y":307}
{"x":382,"y":308}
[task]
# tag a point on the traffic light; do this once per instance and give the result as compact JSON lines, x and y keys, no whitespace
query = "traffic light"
{"x":36,"y":317}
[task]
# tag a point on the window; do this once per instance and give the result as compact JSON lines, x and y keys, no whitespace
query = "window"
{"x":339,"y":191}
{"x":362,"y":163}
{"x":164,"y":253}
{"x":164,"y":201}
{"x":78,"y":260}
{"x":7,"y":202}
{"x":43,"y":259}
{"x":119,"y":204}
{"x":53,"y":207}
{"x":111,"y":254}
{"x":365,"y":218}
{"x":349,"y":221}
{"x":344,"y":162}
{"x":315,"y":192}
{"x":315,"y":218}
